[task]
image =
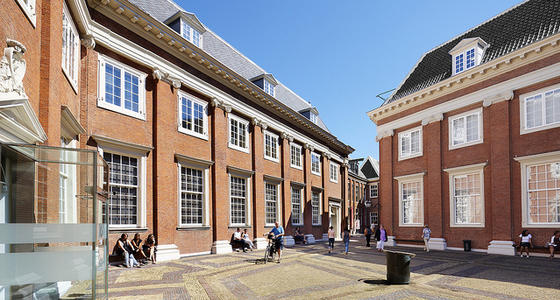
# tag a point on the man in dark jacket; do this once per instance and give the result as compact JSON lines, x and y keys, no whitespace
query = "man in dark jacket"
{"x":367,"y":233}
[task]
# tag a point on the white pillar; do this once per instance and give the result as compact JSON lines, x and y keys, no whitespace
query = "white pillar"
{"x":501,"y":247}
{"x":220,"y":247}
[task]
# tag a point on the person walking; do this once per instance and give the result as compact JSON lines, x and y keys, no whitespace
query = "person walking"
{"x":331,"y":239}
{"x":346,"y":240}
{"x":554,"y":244}
{"x":426,"y":236}
{"x":278,"y":234}
{"x":367,"y":233}
{"x":525,"y":243}
{"x":382,"y":238}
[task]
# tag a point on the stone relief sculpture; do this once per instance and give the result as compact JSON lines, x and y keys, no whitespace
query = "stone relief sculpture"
{"x":12,"y":68}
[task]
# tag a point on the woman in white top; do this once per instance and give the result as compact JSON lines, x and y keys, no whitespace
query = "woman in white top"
{"x":525,"y":242}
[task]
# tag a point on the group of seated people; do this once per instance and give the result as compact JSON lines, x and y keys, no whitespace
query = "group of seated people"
{"x":242,"y":240}
{"x":134,"y":252}
{"x":299,"y":236}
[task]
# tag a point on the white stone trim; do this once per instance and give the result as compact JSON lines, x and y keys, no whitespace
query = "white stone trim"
{"x":522,"y":109}
{"x":384,"y":134}
{"x":221,"y":247}
{"x":432,"y":119}
{"x":501,"y":248}
{"x":30,"y":10}
{"x":167,"y":252}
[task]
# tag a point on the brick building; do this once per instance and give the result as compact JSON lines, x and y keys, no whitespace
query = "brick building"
{"x":469,"y":141}
{"x":199,"y":139}
{"x":363,"y":192}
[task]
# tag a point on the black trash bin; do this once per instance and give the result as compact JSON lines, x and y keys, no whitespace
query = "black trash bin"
{"x":398,"y":266}
{"x":467,"y":245}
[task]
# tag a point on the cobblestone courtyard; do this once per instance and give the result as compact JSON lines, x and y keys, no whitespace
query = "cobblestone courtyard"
{"x":309,"y":272}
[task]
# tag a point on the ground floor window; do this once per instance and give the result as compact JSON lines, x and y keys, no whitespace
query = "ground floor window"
{"x":123,"y":189}
{"x":543,"y":193}
{"x":373,"y":218}
{"x":238,"y":200}
{"x":297,"y":217}
{"x":411,"y":200}
{"x":316,"y":208}
{"x":271,"y":203}
{"x":192,"y":196}
{"x":467,"y":199}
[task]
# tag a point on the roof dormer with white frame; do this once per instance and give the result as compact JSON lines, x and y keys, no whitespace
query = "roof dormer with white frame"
{"x":188,"y":26}
{"x":467,"y":54}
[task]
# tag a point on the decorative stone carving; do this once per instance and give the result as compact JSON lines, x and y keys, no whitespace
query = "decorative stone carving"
{"x":327,"y":155}
{"x":310,"y":147}
{"x":432,"y":119}
{"x":221,"y":104}
{"x":384,"y":134}
{"x":176,"y":83}
{"x":158,"y":74}
{"x":88,"y":41}
{"x":505,"y":96}
{"x":286,"y":136}
{"x":12,"y":68}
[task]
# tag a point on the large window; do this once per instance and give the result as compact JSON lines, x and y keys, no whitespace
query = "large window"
{"x":70,"y":48}
{"x":315,"y":208}
{"x":67,"y":185}
{"x":543,"y":193}
{"x":410,"y":143}
{"x":467,"y":199}
{"x":271,"y":146}
{"x":297,"y":214}
{"x":123,"y":189}
{"x":411,"y":200}
{"x":238,"y":133}
{"x":542,"y":110}
{"x":373,"y":191}
{"x":465,"y":129}
{"x":121,"y":88}
{"x":238,"y":200}
{"x":191,"y":34}
{"x":334,"y":172}
{"x":315,"y":164}
{"x":193,"y":116}
{"x":295,"y":156}
{"x":271,"y":203}
{"x":192,"y":196}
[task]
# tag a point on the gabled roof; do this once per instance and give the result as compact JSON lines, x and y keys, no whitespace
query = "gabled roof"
{"x":368,"y":169}
{"x":524,"y":24}
{"x":165,"y":10}
{"x":468,"y":41}
{"x":189,"y":16}
{"x":269,"y":77}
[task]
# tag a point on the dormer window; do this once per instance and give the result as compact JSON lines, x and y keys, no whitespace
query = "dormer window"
{"x":311,"y":113}
{"x":268,"y":88}
{"x":467,"y":54}
{"x":266,"y":82}
{"x":191,"y":34}
{"x":313,"y":117}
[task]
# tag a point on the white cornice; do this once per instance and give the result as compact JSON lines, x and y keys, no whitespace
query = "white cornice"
{"x":384,"y":134}
{"x":410,"y":176}
{"x":506,"y":96}
{"x":466,"y":168}
{"x":497,"y":92}
{"x":521,"y":57}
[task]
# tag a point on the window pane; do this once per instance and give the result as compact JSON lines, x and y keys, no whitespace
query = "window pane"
{"x":238,"y":200}
{"x":315,"y":208}
{"x":534,"y":111}
{"x":123,"y":185}
{"x":198,"y":111}
{"x":296,"y":206}
{"x":543,"y":193}
{"x":467,"y":199}
{"x":191,"y":183}
{"x":411,"y":202}
{"x":271,"y":203}
{"x":472,"y":127}
{"x":112,"y":84}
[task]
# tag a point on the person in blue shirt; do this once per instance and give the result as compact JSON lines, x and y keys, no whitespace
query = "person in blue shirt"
{"x":278,"y":232}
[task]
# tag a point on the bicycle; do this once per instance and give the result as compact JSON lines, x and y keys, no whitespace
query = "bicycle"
{"x":270,"y":251}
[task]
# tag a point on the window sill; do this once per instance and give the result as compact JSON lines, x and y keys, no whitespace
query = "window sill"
{"x":411,"y":225}
{"x":127,"y":229}
{"x":276,"y":160}
{"x":192,"y":133}
{"x":333,"y":181}
{"x":190,"y":228}
{"x":316,"y":173}
{"x":523,"y":130}
{"x":101,"y":104}
{"x":410,"y":156}
{"x":296,"y":167}
{"x":244,"y":150}
{"x":453,"y":147}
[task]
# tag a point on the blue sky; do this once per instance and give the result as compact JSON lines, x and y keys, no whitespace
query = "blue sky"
{"x":340,"y":54}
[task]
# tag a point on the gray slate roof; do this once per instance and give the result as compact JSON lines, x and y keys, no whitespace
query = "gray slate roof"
{"x":225,"y":53}
{"x":530,"y":21}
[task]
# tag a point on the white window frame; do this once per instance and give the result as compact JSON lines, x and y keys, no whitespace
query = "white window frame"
{"x":275,"y":139}
{"x":190,"y":36}
{"x":371,"y":218}
{"x":461,"y":172}
{"x":334,"y":170}
{"x":464,"y":116}
{"x":371,"y":190}
{"x":240,"y":121}
{"x":68,"y":202}
{"x":141,"y":114}
{"x":523,"y":110}
{"x":412,"y":178}
{"x":320,"y":208}
{"x":278,"y":203}
{"x":464,"y":54}
{"x":141,"y":219}
{"x":247,"y":200}
{"x":420,"y":143}
{"x":72,"y":77}
{"x":318,"y":169}
{"x":525,"y":163}
{"x":204,"y":104}
{"x":29,"y":9}
{"x":301,"y":203}
{"x":292,"y":146}
{"x":205,"y":196}
{"x":313,"y":117}
{"x":268,"y":87}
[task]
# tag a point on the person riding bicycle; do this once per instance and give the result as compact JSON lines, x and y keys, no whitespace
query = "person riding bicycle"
{"x":278,"y":233}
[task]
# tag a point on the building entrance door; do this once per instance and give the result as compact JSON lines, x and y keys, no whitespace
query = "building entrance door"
{"x":334,"y":218}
